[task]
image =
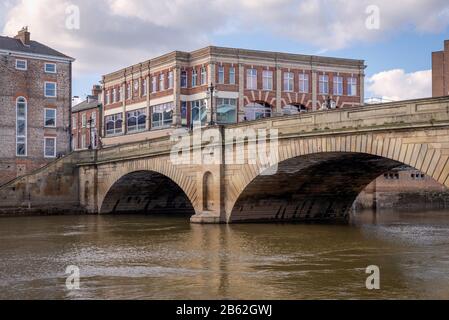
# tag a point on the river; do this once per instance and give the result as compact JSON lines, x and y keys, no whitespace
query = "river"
{"x":162,"y":257}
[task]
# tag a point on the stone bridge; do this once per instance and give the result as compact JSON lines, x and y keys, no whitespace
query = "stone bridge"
{"x":318,"y":164}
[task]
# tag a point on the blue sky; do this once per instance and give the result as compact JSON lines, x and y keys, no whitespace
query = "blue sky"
{"x":116,"y":33}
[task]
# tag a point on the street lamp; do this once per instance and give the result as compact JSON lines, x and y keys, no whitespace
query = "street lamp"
{"x":90,"y":121}
{"x":211,"y":94}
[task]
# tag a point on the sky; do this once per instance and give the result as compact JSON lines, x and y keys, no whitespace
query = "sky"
{"x":395,"y":38}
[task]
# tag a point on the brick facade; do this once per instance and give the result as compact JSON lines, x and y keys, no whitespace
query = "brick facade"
{"x":232,"y":87}
{"x":440,"y":72}
{"x":29,"y":85}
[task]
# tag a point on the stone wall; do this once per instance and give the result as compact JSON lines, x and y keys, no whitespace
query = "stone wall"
{"x":53,"y":189}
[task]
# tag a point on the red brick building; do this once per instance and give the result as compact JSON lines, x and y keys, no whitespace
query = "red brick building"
{"x":86,"y":122}
{"x":440,"y":71}
{"x":35,"y":96}
{"x":147,"y":99}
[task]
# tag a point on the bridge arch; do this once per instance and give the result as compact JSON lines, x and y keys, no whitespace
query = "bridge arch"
{"x":311,"y":182}
{"x":145,"y":186}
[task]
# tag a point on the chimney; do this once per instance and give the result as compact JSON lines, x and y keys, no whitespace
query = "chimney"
{"x":96,"y":91}
{"x":24,"y":36}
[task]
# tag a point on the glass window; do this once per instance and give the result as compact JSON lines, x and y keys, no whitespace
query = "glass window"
{"x":226,"y":111}
{"x":74,"y":120}
{"x":114,"y":95}
{"x":184,"y":113}
{"x":203,"y":76}
{"x":50,"y":68}
{"x":83,"y":142}
{"x":338,"y":86}
{"x":136,"y":86}
{"x":251,"y":79}
{"x":108,"y":97}
{"x":83,"y":120}
{"x":144,"y":87}
{"x":161,"y":82}
{"x":128,"y":91}
{"x":50,"y":118}
{"x":267,"y":80}
{"x":221,"y":75}
{"x":50,"y":89}
{"x":352,"y":86}
{"x":183,"y":79}
{"x":255,"y":111}
{"x":194,"y":78}
{"x":199,"y":113}
{"x":21,"y":124}
{"x":50,"y":147}
{"x":231,"y":75}
{"x":288,"y":81}
{"x":162,"y":115}
{"x":136,"y":120}
{"x":114,"y":124}
{"x":324,"y":84}
{"x":303,"y":82}
{"x":154,"y":84}
{"x":170,"y":80}
{"x":21,"y":64}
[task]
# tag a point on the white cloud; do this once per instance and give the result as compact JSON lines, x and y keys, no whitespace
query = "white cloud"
{"x":398,"y":85}
{"x":117,"y":33}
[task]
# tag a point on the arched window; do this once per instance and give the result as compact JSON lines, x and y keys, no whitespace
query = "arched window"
{"x":137,"y":120}
{"x":255,"y":111}
{"x":21,"y":127}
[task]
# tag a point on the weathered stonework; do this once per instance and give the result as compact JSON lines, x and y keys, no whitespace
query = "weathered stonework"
{"x":325,"y":160}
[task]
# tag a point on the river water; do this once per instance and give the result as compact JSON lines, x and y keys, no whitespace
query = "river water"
{"x":145,"y":257}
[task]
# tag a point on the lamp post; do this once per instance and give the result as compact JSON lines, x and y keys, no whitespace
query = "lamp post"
{"x":90,"y":121}
{"x":211,"y":93}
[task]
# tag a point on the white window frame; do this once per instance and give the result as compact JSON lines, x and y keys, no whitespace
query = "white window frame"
{"x":170,"y":80}
{"x":154,"y":84}
{"x":128,"y":91}
{"x":45,"y":89}
{"x":352,"y":87}
{"x":45,"y":147}
{"x":303,"y":82}
{"x":50,"y":64}
{"x":232,"y":75}
{"x":74,"y":121}
{"x":203,"y":76}
{"x":45,"y":117}
{"x":161,"y":82}
{"x":323,"y":84}
{"x":267,"y":80}
{"x":221,"y":75}
{"x":83,"y":142}
{"x":84,"y":120}
{"x":194,"y":78}
{"x":289,"y":81}
{"x":114,"y":95}
{"x":184,"y":77}
{"x":25,"y":137}
{"x":251,"y":79}
{"x":338,"y":86}
{"x":21,"y":60}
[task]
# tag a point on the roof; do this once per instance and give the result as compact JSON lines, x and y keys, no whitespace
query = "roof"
{"x":12,"y":44}
{"x":214,"y":51}
{"x":86,"y":105}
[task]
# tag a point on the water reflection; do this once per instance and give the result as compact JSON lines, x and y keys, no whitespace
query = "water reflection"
{"x":138,"y":257}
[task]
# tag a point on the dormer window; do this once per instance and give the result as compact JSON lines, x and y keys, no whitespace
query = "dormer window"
{"x":21,"y":64}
